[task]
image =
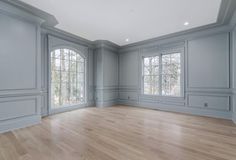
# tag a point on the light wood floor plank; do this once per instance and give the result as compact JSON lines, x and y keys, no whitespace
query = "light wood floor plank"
{"x":122,"y":133}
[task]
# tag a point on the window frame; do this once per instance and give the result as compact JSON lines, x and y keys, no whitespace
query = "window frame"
{"x":160,"y":53}
{"x":67,"y":107}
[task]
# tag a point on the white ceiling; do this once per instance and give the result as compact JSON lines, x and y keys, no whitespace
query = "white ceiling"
{"x":137,"y":20}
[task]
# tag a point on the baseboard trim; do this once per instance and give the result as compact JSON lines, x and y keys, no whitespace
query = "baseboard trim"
{"x":68,"y":109}
{"x":181,"y":109}
{"x":13,"y":124}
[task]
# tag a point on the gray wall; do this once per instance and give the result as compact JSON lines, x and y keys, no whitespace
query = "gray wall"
{"x":234,"y":72}
{"x":106,"y":73}
{"x":20,"y":69}
{"x":24,"y":66}
{"x":207,"y":74}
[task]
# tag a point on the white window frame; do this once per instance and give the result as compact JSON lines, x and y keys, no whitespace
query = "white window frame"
{"x":160,"y":53}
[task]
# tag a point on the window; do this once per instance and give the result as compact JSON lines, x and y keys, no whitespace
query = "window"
{"x":162,"y":75}
{"x":151,"y":75}
{"x":67,"y":78}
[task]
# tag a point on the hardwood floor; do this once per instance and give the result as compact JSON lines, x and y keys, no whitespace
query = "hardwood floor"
{"x":122,"y":133}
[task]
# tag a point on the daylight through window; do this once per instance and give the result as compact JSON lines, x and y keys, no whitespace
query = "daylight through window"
{"x":67,"y":78}
{"x":162,"y":75}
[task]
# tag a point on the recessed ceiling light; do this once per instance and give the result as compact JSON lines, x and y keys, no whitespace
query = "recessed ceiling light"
{"x":186,"y":23}
{"x":127,"y":39}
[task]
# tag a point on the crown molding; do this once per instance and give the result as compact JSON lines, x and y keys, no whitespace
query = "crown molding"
{"x":104,"y":44}
{"x":226,"y":12}
{"x":46,"y":18}
{"x":226,"y":16}
{"x":175,"y":38}
{"x":66,"y":36}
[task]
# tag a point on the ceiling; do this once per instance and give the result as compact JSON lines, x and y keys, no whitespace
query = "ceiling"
{"x":135,"y":20}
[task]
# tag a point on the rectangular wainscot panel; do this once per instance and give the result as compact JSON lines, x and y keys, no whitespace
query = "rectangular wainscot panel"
{"x":130,"y":96}
{"x":17,"y":107}
{"x":128,"y":69}
{"x":109,"y":95}
{"x":208,"y":62}
{"x":209,"y":102}
{"x":18,"y":51}
{"x":110,"y":68}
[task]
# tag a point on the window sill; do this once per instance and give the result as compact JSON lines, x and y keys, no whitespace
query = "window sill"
{"x":163,"y":97}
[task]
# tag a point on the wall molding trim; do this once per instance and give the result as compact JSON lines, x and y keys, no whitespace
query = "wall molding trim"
{"x":18,"y":123}
{"x":49,"y":21}
{"x":226,"y":11}
{"x":16,"y":12}
{"x":224,"y":16}
{"x":234,"y":91}
{"x":106,"y":45}
{"x":114,"y":87}
{"x":106,"y":103}
{"x":45,"y":18}
{"x":70,"y":108}
{"x":179,"y":109}
{"x":176,"y":37}
{"x":20,"y":93}
{"x":57,"y":33}
{"x":234,"y":117}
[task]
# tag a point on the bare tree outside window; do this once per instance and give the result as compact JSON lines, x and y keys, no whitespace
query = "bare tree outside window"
{"x":67,"y":78}
{"x":171,"y":74}
{"x":162,"y":75}
{"x":151,"y":75}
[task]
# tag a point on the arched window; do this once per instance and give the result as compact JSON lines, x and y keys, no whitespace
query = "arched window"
{"x":67,"y":78}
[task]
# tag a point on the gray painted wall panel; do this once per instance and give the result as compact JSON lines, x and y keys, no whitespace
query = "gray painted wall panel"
{"x":208,"y":62}
{"x":98,"y":68}
{"x":110,"y":68}
{"x":20,"y":70}
{"x":234,"y":57}
{"x":128,"y":95}
{"x":209,"y":102}
{"x":234,"y":73}
{"x":128,"y":69}
{"x":18,"y":54}
{"x":26,"y":106}
{"x":106,"y":79}
{"x":110,"y":95}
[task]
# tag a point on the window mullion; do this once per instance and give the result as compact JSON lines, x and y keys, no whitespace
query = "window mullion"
{"x":69,"y":76}
{"x":142,"y":75}
{"x":60,"y":93}
{"x":76,"y":79}
{"x":160,"y":75}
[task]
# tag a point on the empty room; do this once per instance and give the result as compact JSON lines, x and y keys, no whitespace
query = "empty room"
{"x":118,"y":80}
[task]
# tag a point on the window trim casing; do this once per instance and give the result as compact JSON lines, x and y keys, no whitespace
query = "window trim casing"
{"x":64,"y":108}
{"x":160,"y":52}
